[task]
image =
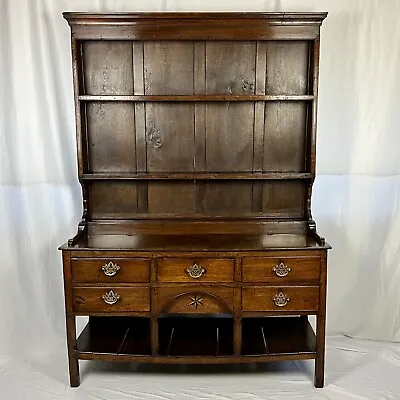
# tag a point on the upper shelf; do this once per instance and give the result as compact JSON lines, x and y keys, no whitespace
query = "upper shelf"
{"x":139,"y":98}
{"x":199,"y":176}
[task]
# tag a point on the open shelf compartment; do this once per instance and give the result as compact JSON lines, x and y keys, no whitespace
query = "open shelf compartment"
{"x":277,"y":336}
{"x":116,"y":335}
{"x":196,"y":336}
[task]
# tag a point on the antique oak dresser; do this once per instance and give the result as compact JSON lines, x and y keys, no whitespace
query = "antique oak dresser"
{"x":196,"y":142}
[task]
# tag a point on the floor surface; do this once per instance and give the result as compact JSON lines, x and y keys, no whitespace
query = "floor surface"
{"x":355,"y":369}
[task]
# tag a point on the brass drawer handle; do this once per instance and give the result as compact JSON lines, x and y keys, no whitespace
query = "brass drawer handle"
{"x":196,"y":271}
{"x":111,"y":297}
{"x":281,"y":269}
{"x":280,"y":299}
{"x":110,"y":269}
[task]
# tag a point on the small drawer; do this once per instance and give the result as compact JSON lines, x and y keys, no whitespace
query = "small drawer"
{"x":281,"y":270}
{"x":195,"y":270}
{"x":111,"y":299}
{"x":195,"y":300}
{"x":105,"y":270}
{"x":280,"y":298}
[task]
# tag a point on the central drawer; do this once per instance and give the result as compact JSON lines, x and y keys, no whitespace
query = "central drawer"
{"x":195,"y":270}
{"x":205,"y":299}
{"x":111,"y":299}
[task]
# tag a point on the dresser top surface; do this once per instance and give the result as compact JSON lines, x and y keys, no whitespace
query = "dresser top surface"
{"x":198,"y":242}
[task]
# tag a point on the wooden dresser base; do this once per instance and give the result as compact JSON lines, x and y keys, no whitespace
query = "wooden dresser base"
{"x":212,"y":314}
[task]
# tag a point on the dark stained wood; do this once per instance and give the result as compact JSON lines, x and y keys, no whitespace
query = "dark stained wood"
{"x":197,"y":97}
{"x":278,"y":335}
{"x":170,"y":137}
{"x":230,"y":67}
{"x":173,"y":243}
{"x":200,"y":360}
{"x":116,"y":198}
{"x":196,"y":337}
{"x":201,"y":227}
{"x":196,"y":139}
{"x":284,"y":136}
{"x":261,"y":298}
{"x":128,"y":270}
{"x":176,"y":270}
{"x":287,"y":67}
{"x":229,"y":136}
{"x":89,"y":299}
{"x":263,"y":269}
{"x":119,"y":335}
{"x":227,"y":198}
{"x":178,"y":299}
{"x":321,"y":322}
{"x":284,"y":199}
{"x":70,"y":321}
{"x":240,"y":175}
{"x":107,"y":68}
{"x":170,"y":198}
{"x":168,"y":68}
{"x":111,"y":137}
{"x":196,"y":26}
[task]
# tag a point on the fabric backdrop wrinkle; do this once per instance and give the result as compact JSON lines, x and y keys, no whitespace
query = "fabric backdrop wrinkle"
{"x":356,"y":197}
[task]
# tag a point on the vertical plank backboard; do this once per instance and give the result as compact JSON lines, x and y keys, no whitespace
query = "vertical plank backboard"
{"x":168,"y":67}
{"x":170,"y":137}
{"x":111,"y":137}
{"x":171,"y":198}
{"x":284,"y":199}
{"x":285,"y":136}
{"x":287,"y":67}
{"x":107,"y":67}
{"x":229,"y":136}
{"x":230,"y":67}
{"x":226,"y":197}
{"x":113,"y":199}
{"x":229,"y":147}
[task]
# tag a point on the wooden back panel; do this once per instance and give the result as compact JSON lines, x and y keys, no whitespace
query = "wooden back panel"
{"x":226,"y":105}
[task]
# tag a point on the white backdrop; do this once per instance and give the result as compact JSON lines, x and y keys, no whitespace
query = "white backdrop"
{"x":356,"y":201}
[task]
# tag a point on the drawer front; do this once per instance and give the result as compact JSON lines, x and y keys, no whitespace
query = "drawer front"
{"x":281,"y":270}
{"x":195,"y":270}
{"x":105,"y":270}
{"x":195,"y":300}
{"x":109,"y":299}
{"x":280,"y":298}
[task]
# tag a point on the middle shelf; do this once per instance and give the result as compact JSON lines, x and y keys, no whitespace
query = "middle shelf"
{"x":273,"y":175}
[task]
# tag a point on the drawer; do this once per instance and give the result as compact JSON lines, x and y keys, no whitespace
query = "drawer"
{"x":111,"y":299}
{"x":195,"y":270}
{"x":105,"y":270}
{"x":281,"y":270}
{"x":195,"y":300}
{"x":280,"y":298}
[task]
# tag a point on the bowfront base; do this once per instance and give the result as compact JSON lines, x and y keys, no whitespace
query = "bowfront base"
{"x":196,"y":307}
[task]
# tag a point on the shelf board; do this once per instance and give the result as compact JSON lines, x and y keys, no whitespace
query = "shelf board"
{"x":119,"y":335}
{"x":198,"y":97}
{"x":277,"y":336}
{"x":197,"y":340}
{"x":195,"y":336}
{"x":199,"y":176}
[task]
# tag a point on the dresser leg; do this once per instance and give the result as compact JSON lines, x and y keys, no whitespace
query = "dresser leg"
{"x":320,"y":360}
{"x":154,"y":336}
{"x":72,"y":358}
{"x":237,"y":340}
